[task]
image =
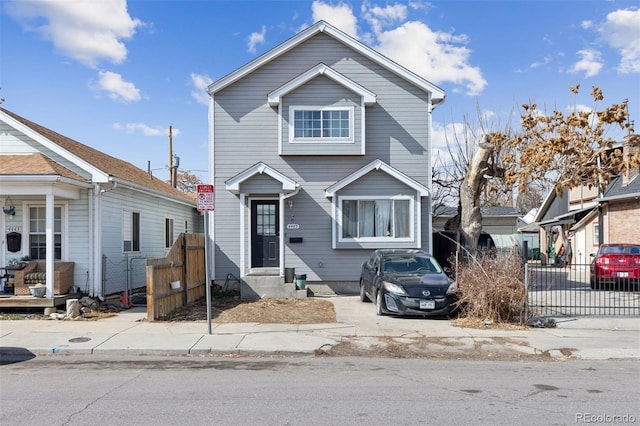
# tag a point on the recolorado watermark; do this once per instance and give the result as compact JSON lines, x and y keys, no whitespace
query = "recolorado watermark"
{"x":605,"y":418}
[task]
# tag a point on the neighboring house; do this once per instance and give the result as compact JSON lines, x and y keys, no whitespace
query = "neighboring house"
{"x":69,"y":202}
{"x":500,"y":222}
{"x":320,"y":153}
{"x":582,"y":215}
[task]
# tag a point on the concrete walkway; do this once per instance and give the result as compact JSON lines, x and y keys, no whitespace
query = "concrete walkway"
{"x":356,"y":326}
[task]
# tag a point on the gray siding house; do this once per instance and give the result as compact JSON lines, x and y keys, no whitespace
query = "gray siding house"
{"x":72,"y":203}
{"x":319,"y":153}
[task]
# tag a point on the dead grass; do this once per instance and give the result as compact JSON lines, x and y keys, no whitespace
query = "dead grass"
{"x":271,"y":311}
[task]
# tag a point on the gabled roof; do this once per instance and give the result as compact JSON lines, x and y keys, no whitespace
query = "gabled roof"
{"x":321,"y":70}
{"x":437,"y":94}
{"x":233,"y":184}
{"x":615,"y":190}
{"x":101,"y":166}
{"x":34,"y":164}
{"x":376,"y":165}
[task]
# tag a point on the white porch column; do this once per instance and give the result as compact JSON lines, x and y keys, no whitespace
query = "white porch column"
{"x":281,"y":232}
{"x":49,"y":213}
{"x":243,"y":266}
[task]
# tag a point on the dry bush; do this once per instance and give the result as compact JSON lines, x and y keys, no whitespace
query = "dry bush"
{"x":492,"y":288}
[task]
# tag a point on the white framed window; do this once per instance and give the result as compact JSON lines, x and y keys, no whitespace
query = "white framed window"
{"x":37,"y":225}
{"x":131,"y":231}
{"x":168,"y":232}
{"x":376,"y":219}
{"x":321,"y":124}
{"x":596,"y":234}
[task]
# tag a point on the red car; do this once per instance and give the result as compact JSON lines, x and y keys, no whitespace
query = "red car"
{"x":617,"y":264}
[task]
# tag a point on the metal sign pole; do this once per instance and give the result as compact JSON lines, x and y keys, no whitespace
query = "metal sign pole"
{"x":206,"y":266}
{"x":206,"y":203}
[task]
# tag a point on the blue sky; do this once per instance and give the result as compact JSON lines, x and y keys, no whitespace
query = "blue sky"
{"x":115,"y":74}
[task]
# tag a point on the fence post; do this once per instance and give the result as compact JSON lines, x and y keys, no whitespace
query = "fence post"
{"x":183,"y":242}
{"x":526,"y":291}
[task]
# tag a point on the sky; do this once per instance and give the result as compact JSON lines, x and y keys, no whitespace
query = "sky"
{"x":116,"y":74}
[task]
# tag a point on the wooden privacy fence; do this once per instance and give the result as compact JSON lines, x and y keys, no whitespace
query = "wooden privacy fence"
{"x":177,"y":279}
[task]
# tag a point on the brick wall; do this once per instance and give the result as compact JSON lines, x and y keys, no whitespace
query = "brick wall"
{"x":624,"y":222}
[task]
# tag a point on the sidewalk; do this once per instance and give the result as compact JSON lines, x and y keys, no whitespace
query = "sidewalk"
{"x":357,"y":325}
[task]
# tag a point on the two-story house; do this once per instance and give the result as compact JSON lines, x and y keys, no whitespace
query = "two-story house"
{"x":319,"y":153}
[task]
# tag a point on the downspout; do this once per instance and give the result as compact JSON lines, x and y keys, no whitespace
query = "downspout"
{"x":600,"y":213}
{"x":98,"y":272}
{"x":91,"y":200}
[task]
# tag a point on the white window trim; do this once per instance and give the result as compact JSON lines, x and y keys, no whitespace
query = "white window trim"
{"x":64,"y":216}
{"x":130,"y":211}
{"x":173,"y":231}
{"x":412,"y":232}
{"x":294,"y":108}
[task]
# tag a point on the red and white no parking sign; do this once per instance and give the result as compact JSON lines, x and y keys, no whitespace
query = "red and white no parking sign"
{"x":205,"y":198}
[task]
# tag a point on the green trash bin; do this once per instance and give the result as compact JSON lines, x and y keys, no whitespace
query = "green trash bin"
{"x":535,"y":254}
{"x":301,"y":281}
{"x":289,"y":274}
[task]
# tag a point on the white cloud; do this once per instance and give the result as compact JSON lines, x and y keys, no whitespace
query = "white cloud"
{"x":620,"y":31}
{"x":84,"y":30}
{"x":340,"y":16}
{"x":545,"y":61}
{"x":580,"y":108}
{"x":586,"y":25}
{"x":116,"y":87}
{"x":145,"y":129}
{"x":200,"y":83}
{"x":256,"y":39}
{"x":383,"y":17}
{"x":590,"y":64}
{"x":437,"y":56}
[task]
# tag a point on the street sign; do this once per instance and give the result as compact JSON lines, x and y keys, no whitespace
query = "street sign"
{"x":205,"y":198}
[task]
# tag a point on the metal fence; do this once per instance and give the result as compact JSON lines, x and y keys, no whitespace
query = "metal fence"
{"x":567,"y":291}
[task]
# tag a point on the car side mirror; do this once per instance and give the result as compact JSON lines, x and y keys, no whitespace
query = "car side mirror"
{"x":592,"y":255}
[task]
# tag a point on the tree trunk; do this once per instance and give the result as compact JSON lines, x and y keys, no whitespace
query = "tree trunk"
{"x":470,"y":191}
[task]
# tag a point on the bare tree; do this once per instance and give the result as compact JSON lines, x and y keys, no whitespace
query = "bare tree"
{"x":554,"y":150}
{"x":566,"y":151}
{"x":187,"y":182}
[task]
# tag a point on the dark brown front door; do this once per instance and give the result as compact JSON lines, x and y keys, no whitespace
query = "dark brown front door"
{"x":265,"y":244}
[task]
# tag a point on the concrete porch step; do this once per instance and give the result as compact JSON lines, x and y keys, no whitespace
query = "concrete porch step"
{"x":253,"y":287}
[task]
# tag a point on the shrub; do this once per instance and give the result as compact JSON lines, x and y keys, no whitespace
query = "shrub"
{"x":492,"y":288}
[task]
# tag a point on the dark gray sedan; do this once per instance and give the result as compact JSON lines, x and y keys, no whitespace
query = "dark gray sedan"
{"x":407,"y":282}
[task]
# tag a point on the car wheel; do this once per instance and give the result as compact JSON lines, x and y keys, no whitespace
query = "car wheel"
{"x":363,"y":295}
{"x":592,"y":282}
{"x":379,"y":303}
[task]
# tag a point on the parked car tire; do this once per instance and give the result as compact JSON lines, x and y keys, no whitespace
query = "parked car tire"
{"x":363,"y":295}
{"x":594,"y":284}
{"x":379,"y":303}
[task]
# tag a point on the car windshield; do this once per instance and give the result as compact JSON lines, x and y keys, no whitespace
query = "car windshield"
{"x":408,"y":265}
{"x":621,"y":249}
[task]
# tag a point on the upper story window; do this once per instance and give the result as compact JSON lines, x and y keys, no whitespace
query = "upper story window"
{"x":311,"y":124}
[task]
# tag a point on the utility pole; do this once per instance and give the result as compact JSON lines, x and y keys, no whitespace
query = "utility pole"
{"x":171,"y":180}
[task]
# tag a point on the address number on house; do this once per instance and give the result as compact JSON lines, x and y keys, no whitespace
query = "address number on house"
{"x":293,"y":226}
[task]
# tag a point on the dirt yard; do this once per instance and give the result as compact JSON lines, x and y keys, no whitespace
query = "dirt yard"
{"x":230,"y":309}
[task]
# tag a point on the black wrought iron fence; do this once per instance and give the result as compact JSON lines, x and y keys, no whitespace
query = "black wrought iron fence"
{"x":570,"y":291}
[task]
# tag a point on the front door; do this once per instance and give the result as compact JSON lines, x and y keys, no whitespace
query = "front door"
{"x":265,"y":241}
